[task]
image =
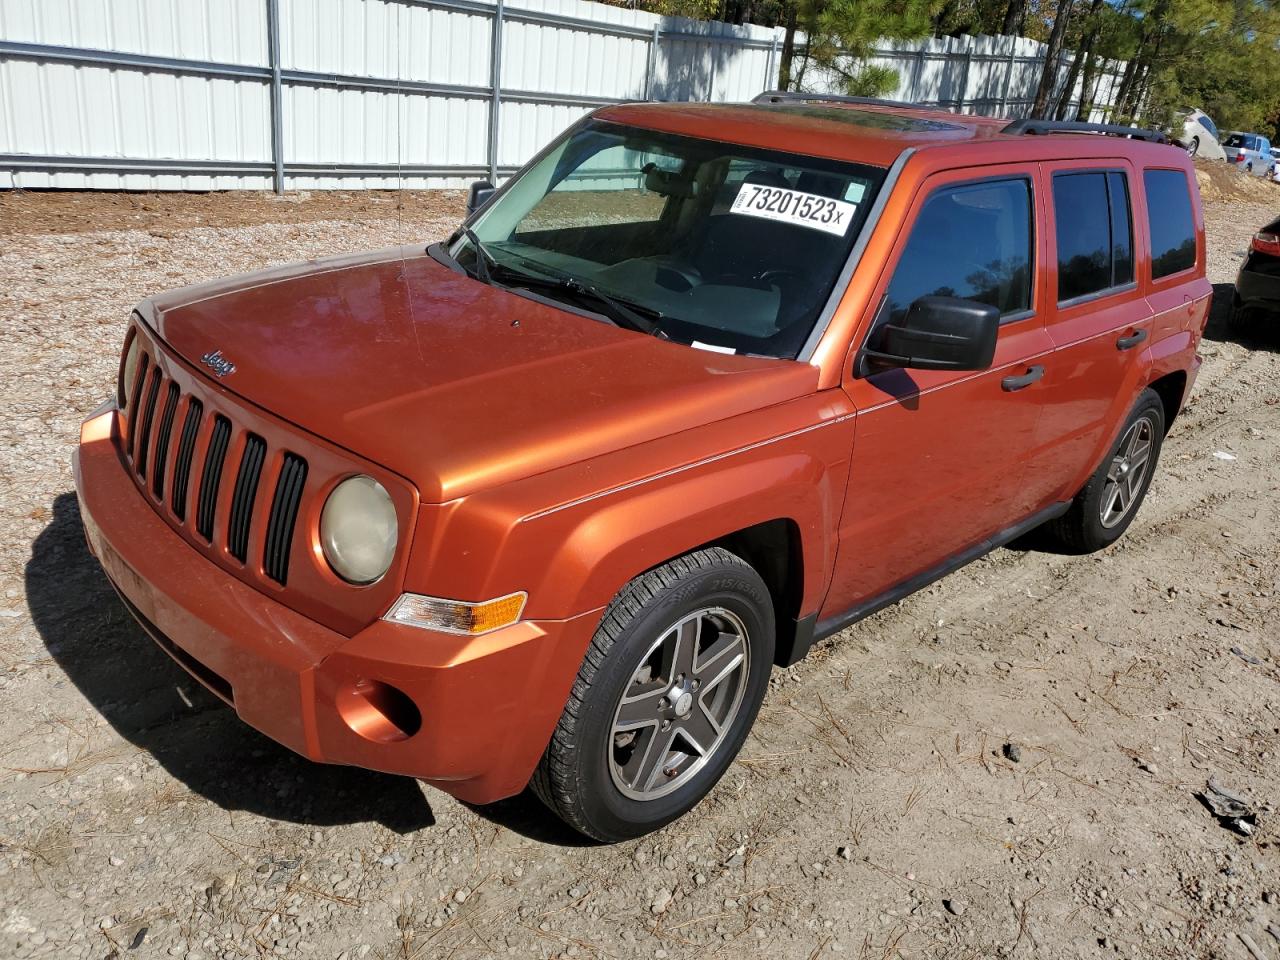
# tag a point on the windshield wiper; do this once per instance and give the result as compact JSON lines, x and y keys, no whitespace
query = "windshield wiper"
{"x":485,"y":264}
{"x":621,"y":313}
{"x":629,"y":316}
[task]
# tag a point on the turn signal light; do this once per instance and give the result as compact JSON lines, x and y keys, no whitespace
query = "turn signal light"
{"x":1268,"y":243}
{"x":457,"y":616}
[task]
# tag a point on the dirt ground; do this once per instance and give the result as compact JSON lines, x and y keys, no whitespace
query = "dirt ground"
{"x":1005,"y":765}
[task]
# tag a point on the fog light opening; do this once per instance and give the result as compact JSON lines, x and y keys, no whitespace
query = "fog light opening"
{"x":378,"y":711}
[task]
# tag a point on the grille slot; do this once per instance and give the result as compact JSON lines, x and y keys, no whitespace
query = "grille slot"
{"x":255,"y":452}
{"x":212,"y":477}
{"x":186,"y":450}
{"x":284,"y":514}
{"x":140,"y":377}
{"x":148,"y":415}
{"x":162,"y":440}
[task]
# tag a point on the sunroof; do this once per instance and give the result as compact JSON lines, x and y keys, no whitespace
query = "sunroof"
{"x":865,"y":118}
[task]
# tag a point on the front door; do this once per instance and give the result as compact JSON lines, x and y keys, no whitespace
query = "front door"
{"x":938,"y":457}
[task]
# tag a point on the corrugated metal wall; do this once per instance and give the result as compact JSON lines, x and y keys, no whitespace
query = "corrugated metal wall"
{"x":191,"y":94}
{"x":372,"y":93}
{"x":995,"y":76}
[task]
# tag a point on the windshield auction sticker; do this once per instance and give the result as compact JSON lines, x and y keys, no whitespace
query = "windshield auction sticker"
{"x":794,"y":206}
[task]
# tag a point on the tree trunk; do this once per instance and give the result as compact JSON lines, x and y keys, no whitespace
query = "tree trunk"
{"x":1083,"y":55}
{"x":1051,"y":57}
{"x":1086,"y":86}
{"x":1013,"y":15}
{"x":1064,"y":101}
{"x":1126,"y":81}
{"x":788,"y":48}
{"x":1148,"y":74}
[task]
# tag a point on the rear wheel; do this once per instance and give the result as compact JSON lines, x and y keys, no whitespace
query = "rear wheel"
{"x":664,"y":699}
{"x":1241,"y":319}
{"x":1193,"y":147}
{"x":1103,"y":510}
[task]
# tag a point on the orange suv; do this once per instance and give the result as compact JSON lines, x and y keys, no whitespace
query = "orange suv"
{"x":700,"y":385}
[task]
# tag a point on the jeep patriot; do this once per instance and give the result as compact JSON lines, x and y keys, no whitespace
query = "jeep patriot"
{"x":700,"y":385}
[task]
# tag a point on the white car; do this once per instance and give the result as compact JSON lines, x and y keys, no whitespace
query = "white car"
{"x":1200,"y":135}
{"x":1251,"y":152}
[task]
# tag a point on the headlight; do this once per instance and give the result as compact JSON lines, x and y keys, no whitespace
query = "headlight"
{"x":457,"y":616}
{"x":358,"y":530}
{"x":128,"y":370}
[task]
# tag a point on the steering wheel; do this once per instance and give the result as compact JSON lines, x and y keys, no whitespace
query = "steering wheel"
{"x":690,"y":275}
{"x":774,"y":274}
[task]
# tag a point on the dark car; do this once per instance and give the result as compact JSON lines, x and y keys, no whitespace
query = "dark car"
{"x":1258,"y":284}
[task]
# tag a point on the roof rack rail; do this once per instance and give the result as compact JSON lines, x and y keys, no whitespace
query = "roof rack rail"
{"x":1078,"y":126}
{"x":791,"y":96}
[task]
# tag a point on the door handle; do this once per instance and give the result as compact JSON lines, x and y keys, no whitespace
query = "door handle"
{"x":1010,"y":384}
{"x":1131,"y":341}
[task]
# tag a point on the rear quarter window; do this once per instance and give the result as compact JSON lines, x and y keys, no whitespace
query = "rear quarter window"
{"x":1173,"y":232}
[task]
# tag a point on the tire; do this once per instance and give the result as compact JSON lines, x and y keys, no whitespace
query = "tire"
{"x":1241,"y":320}
{"x":1193,"y":147}
{"x":1094,"y":519}
{"x":614,"y":784}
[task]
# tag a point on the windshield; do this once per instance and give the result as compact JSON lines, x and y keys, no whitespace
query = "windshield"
{"x":724,"y":246}
{"x":1244,"y":140}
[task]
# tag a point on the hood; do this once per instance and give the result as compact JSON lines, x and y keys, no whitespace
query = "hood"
{"x":453,"y":384}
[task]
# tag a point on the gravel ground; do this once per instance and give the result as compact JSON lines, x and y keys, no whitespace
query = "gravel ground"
{"x":1003,"y":765}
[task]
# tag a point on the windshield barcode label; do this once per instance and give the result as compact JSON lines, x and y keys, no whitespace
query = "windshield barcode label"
{"x":794,"y":206}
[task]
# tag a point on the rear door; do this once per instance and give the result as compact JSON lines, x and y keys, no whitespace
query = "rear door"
{"x":939,"y":456}
{"x":1176,"y":288}
{"x":1099,"y":320}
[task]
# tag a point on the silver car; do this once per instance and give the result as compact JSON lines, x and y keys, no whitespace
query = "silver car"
{"x":1251,"y":152}
{"x":1200,"y":135}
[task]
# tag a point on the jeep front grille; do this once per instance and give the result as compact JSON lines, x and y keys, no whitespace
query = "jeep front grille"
{"x":210,"y":454}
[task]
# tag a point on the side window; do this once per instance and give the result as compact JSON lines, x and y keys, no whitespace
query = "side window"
{"x":1121,"y":228}
{"x":971,"y":241}
{"x":1094,"y":231}
{"x":1173,"y":232}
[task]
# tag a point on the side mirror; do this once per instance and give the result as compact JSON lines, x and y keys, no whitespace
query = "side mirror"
{"x":478,"y":194}
{"x":938,"y":333}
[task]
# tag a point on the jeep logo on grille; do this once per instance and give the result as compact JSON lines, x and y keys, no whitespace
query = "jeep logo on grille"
{"x":219,"y":364}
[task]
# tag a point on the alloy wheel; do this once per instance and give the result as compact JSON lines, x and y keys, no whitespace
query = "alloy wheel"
{"x":1127,"y":473}
{"x":679,"y":704}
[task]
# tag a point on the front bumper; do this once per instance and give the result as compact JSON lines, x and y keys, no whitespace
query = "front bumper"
{"x":471,"y":715}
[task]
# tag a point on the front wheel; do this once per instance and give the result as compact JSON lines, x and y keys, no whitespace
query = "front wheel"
{"x":1103,"y":510}
{"x":664,"y":699}
{"x":1193,"y":147}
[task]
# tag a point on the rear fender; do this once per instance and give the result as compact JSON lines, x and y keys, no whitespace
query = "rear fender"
{"x":1171,"y":353}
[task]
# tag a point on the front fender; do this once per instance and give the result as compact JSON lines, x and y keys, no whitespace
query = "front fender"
{"x":603,"y":544}
{"x":573,"y":537}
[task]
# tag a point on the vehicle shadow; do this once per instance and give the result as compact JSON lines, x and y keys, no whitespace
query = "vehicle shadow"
{"x":155,"y":705}
{"x":1253,"y":336}
{"x":526,"y":815}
